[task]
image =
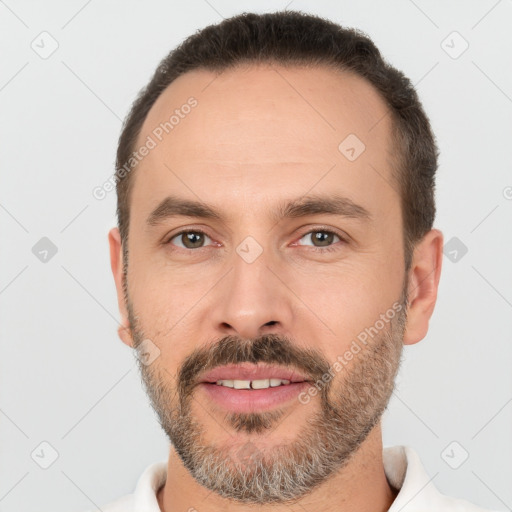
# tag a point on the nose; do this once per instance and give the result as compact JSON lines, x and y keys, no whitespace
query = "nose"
{"x":252,"y":300}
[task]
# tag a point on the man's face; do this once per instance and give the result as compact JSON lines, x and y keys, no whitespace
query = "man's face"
{"x":263,"y":284}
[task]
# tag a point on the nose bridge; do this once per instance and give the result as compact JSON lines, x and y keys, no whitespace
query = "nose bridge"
{"x":251,"y":297}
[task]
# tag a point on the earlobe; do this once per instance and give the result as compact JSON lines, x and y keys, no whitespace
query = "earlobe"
{"x":125,"y":334}
{"x":116,"y":263}
{"x":424,"y":276}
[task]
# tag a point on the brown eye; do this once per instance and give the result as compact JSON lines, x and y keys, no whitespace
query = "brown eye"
{"x":189,"y":239}
{"x":321,"y":238}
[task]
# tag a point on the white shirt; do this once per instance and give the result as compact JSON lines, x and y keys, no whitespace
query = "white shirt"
{"x":402,"y":467}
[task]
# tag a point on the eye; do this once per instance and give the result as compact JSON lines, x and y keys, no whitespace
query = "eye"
{"x":189,"y":239}
{"x":322,"y":239}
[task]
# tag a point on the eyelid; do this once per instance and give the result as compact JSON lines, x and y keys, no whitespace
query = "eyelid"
{"x":325,"y":229}
{"x":341,"y":235}
{"x":168,"y":239}
{"x":314,"y":249}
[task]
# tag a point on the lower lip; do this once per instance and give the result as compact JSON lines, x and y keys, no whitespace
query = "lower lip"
{"x":253,"y":400}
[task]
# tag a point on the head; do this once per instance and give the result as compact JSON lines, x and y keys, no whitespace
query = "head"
{"x":275,"y":207}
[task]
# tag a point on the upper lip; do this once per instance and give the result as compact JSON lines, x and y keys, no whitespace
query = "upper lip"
{"x":249,"y":371}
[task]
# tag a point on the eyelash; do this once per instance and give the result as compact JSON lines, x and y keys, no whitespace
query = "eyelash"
{"x":316,"y":249}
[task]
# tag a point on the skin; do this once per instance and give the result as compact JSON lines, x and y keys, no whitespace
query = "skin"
{"x":259,"y":136}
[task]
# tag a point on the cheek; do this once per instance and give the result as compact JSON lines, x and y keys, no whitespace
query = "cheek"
{"x":164,"y":309}
{"x":341,"y":304}
{"x":161,"y":293}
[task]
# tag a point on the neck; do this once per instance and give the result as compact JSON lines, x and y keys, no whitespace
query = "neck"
{"x":361,"y":485}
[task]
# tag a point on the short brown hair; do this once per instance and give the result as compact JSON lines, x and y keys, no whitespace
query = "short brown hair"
{"x":295,"y":38}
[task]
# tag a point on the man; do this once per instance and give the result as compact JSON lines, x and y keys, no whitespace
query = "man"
{"x":275,"y":251}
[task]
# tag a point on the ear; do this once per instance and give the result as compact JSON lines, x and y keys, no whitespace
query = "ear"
{"x":116,"y":263}
{"x":424,"y":277}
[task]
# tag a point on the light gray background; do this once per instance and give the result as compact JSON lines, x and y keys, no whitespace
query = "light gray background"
{"x":65,"y":376}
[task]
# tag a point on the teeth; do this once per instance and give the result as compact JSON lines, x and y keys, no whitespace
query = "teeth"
{"x":260,"y":384}
{"x":253,"y":384}
{"x":242,"y":384}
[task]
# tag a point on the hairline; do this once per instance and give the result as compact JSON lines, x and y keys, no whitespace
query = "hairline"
{"x":395,"y":160}
{"x":395,"y":163}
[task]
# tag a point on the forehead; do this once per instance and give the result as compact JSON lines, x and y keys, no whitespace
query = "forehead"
{"x":266,"y":128}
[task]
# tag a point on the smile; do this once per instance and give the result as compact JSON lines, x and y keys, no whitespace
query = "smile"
{"x":253,"y":384}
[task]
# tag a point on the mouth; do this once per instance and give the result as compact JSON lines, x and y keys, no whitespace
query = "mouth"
{"x":252,"y":388}
{"x":251,"y":376}
{"x":252,"y":384}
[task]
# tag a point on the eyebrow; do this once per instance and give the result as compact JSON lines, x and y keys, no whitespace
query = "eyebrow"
{"x":173,"y":206}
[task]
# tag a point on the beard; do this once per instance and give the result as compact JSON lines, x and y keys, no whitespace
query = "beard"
{"x":351,"y":405}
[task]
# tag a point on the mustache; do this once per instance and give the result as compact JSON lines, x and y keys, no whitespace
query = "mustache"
{"x":268,"y":348}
